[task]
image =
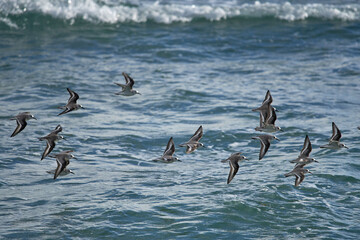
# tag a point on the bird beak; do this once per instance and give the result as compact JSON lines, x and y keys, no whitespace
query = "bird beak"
{"x":179,"y":160}
{"x":35,"y":118}
{"x":310,"y":172}
{"x":277,"y":139}
{"x":281,"y":130}
{"x":346,"y":147}
{"x":82,"y":107}
{"x":316,"y":160}
{"x":75,"y":158}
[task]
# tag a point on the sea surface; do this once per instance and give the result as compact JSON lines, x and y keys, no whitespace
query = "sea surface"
{"x":195,"y":63}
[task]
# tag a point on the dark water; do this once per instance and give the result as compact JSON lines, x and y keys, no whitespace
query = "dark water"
{"x":207,"y":64}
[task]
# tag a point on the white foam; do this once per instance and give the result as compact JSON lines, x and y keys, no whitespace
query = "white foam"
{"x":92,"y":10}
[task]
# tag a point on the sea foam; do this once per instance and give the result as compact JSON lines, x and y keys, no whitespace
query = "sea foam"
{"x":108,"y":12}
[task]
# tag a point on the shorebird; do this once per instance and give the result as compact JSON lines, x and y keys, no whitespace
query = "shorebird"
{"x":359,"y":127}
{"x":194,"y":143}
{"x":304,"y":158}
{"x":265,"y":143}
{"x":167,"y":156}
{"x":62,"y":160}
{"x":51,"y":138}
{"x":71,"y":105}
{"x":268,"y":124}
{"x":334,"y":142}
{"x":299,"y":173}
{"x":234,"y":164}
{"x":21,"y":121}
{"x":127,"y":87}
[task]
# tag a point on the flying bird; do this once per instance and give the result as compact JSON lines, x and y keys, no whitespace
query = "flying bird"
{"x":299,"y":173}
{"x":127,"y":88}
{"x":234,"y":164}
{"x":265,"y":143}
{"x":21,"y":121}
{"x":334,"y":142}
{"x":167,"y":156}
{"x":304,"y":158}
{"x":71,"y":105}
{"x":62,"y":160}
{"x":51,"y":138}
{"x":194,"y":143}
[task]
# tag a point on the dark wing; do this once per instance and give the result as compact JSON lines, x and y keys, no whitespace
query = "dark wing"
{"x":197,"y":135}
{"x":234,"y":167}
{"x":272,"y":116}
{"x":299,"y":177}
{"x":336,"y":135}
{"x":265,"y":144}
{"x":50,"y":144}
{"x":61,"y":164}
{"x":65,"y":111}
{"x":170,"y":148}
{"x":262,"y":118}
{"x":21,"y":124}
{"x":128,"y":79}
{"x":57,"y":129}
{"x":305,"y":152}
{"x":268,"y":97}
{"x":73,"y":96}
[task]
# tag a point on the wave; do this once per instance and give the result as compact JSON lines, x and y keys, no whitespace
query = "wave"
{"x":121,"y":12}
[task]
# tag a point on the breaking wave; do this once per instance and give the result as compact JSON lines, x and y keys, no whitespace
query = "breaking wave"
{"x":140,"y":12}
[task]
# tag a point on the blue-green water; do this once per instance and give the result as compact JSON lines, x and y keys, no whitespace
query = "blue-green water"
{"x":195,"y":63}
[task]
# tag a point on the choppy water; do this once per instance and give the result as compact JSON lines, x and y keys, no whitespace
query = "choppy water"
{"x":195,"y":63}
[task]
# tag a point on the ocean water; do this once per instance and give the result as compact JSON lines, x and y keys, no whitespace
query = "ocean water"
{"x":195,"y":63}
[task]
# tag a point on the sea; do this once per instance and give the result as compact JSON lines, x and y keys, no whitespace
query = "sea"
{"x":195,"y":63}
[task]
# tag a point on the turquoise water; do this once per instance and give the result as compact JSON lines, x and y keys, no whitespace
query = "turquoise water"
{"x":195,"y":63}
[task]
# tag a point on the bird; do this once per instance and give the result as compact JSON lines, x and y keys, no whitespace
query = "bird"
{"x":334,"y":142}
{"x":234,"y":164}
{"x":21,"y":122}
{"x":51,"y":138}
{"x":62,"y":160}
{"x":268,"y":124}
{"x":265,"y":143}
{"x":127,"y":87}
{"x":71,"y":105}
{"x":299,"y":173}
{"x":167,"y":156}
{"x":194,"y":143}
{"x":304,"y":158}
{"x":359,"y":127}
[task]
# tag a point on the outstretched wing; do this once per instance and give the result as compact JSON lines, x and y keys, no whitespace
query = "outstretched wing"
{"x":73,"y":96}
{"x":21,"y":124}
{"x":197,"y":135}
{"x":234,"y":167}
{"x":336,"y":135}
{"x":170,"y":148}
{"x":305,"y":152}
{"x":60,"y":167}
{"x":268,"y":97}
{"x":128,"y":79}
{"x":50,"y":144}
{"x":272,"y":116}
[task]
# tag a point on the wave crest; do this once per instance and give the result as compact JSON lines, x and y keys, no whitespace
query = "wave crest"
{"x":94,"y":11}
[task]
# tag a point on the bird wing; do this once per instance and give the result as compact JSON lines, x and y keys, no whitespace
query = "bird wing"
{"x":336,"y":135}
{"x":234,"y":167}
{"x":268,"y":97}
{"x":305,"y":151}
{"x":265,"y":144}
{"x":272,"y":116}
{"x":21,"y":124}
{"x":170,"y":148}
{"x":61,"y":164}
{"x":73,"y":96}
{"x":50,"y":144}
{"x":197,"y":135}
{"x":57,"y":129}
{"x":299,"y":177}
{"x":129,"y":81}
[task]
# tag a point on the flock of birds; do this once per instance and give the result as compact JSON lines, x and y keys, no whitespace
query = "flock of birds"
{"x":267,"y":125}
